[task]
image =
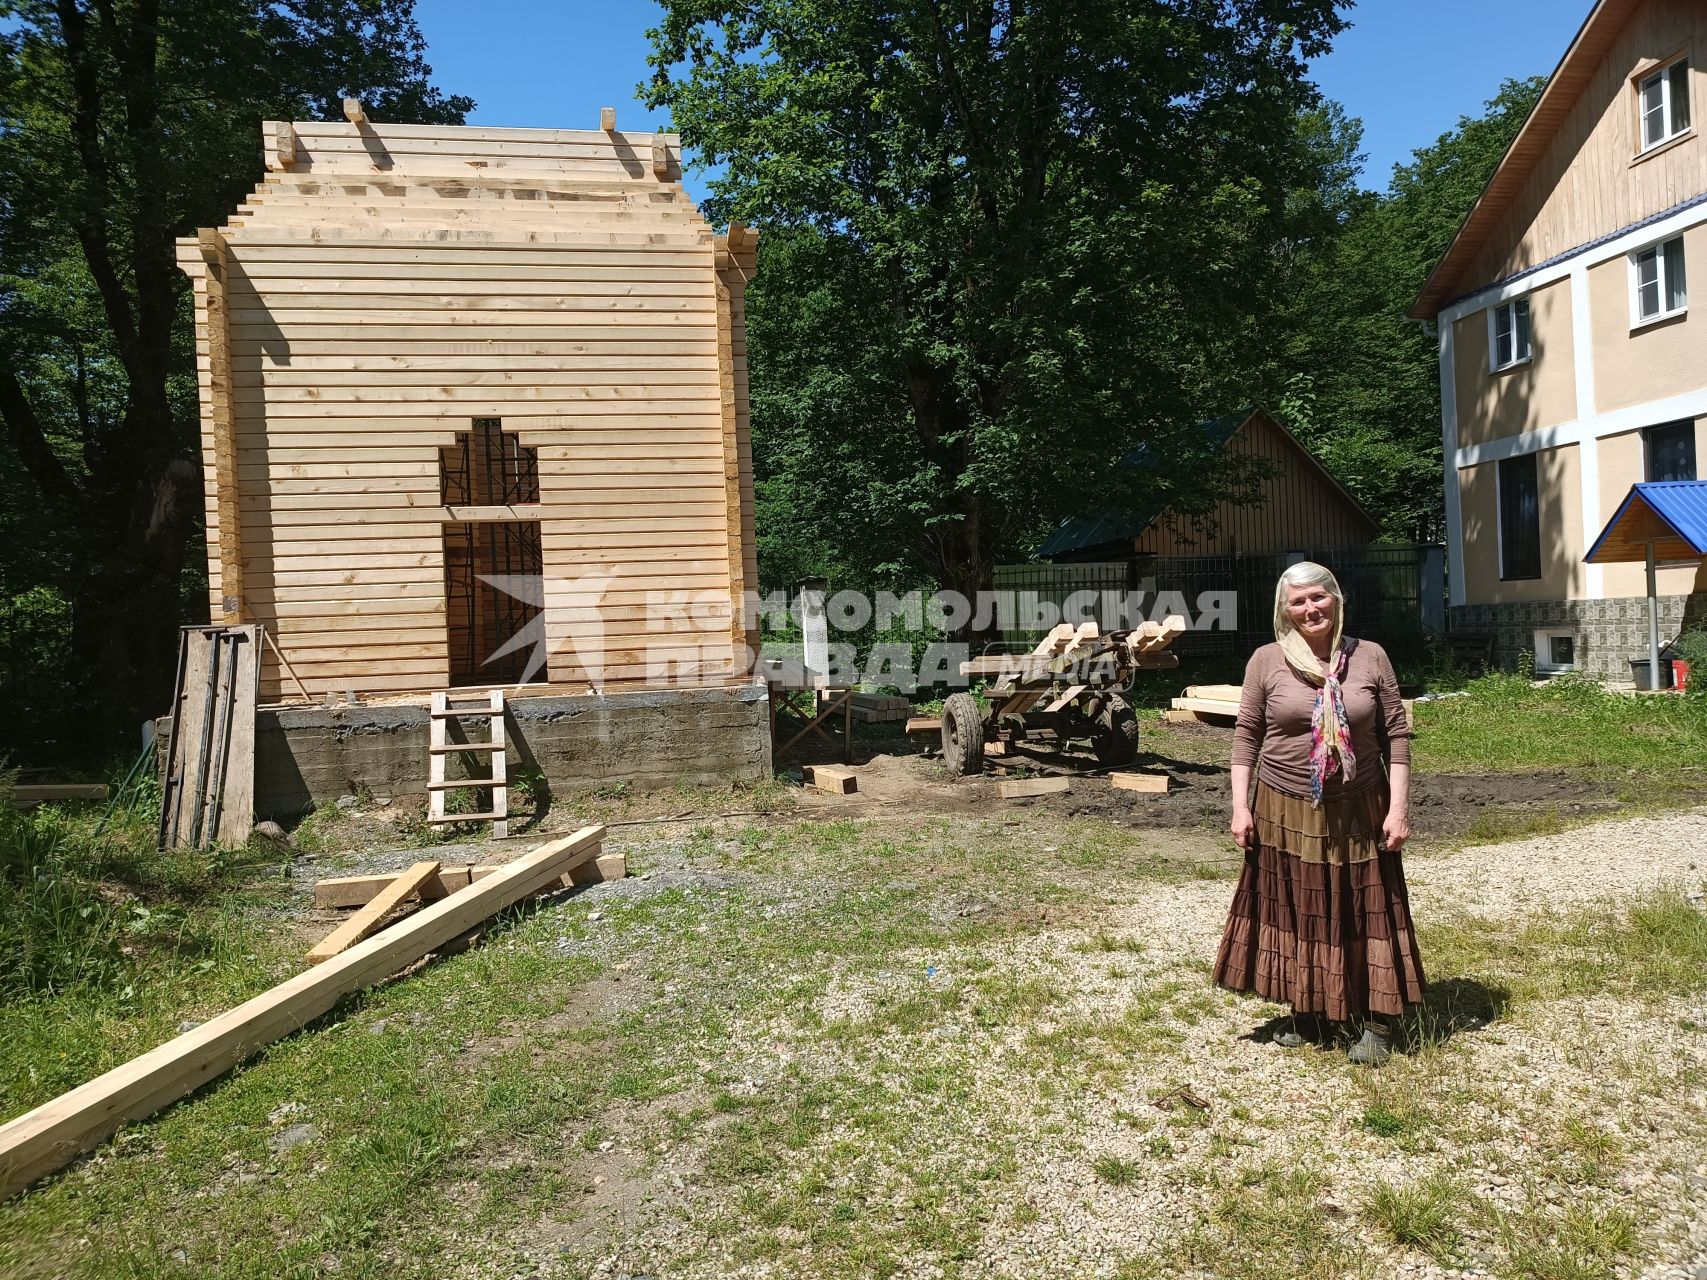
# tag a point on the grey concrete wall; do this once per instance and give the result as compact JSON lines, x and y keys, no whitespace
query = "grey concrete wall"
{"x":1608,"y":632}
{"x":308,"y":756}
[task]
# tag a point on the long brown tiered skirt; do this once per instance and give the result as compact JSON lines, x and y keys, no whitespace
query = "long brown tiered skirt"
{"x":1321,"y":919}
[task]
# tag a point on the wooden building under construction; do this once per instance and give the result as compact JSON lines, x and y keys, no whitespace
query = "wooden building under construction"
{"x":430,"y":356}
{"x":474,"y":406}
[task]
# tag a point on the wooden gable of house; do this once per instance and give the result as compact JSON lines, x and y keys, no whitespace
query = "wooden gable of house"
{"x":438,"y":364}
{"x":1300,"y":506}
{"x":1576,"y":172}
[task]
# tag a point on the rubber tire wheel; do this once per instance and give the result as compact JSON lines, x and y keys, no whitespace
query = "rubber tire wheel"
{"x":1071,"y":722}
{"x":1115,"y":738}
{"x":962,"y":735}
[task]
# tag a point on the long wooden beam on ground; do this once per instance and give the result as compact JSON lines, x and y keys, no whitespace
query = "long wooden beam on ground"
{"x":40,"y":1141}
{"x":356,"y":891}
{"x":49,"y":792}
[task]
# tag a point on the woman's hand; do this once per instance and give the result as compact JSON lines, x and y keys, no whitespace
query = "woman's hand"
{"x":1396,"y":827}
{"x":1395,"y":830}
{"x":1244,"y":829}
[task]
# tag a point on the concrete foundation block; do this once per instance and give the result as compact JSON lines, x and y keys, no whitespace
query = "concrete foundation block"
{"x":309,"y":756}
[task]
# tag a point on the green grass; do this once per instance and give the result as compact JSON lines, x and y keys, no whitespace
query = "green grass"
{"x":1116,"y":1171}
{"x":1498,"y":824}
{"x":1584,"y":1242}
{"x":1384,"y":1122}
{"x":852,"y":1069}
{"x":1651,"y":947}
{"x":473,"y":1061}
{"x":1427,"y":1215}
{"x":1507,"y":724}
{"x":1273,"y":1221}
{"x":106,"y":943}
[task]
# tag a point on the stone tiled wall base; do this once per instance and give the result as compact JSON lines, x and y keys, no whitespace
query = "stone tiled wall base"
{"x":1609,"y":633}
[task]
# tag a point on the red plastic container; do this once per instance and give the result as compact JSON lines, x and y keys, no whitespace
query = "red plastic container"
{"x":1679,"y":674}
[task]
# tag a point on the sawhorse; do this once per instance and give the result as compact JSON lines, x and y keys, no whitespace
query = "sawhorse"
{"x":821,"y":703}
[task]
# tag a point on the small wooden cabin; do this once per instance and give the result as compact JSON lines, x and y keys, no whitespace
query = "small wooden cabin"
{"x":440,"y":363}
{"x":1301,"y":506}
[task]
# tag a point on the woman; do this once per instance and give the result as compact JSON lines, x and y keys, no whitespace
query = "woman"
{"x":1321,"y":920}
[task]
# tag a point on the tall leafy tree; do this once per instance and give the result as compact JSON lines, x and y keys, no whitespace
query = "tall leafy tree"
{"x":1365,"y":390}
{"x":1005,"y":243}
{"x":125,"y":124}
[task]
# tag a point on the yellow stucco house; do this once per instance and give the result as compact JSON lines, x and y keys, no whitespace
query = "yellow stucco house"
{"x":1572,"y":364}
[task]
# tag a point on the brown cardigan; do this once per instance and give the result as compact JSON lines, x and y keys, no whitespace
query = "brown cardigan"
{"x":1274,"y":720}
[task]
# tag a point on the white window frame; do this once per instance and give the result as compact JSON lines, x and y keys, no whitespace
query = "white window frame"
{"x":1662,"y":250}
{"x":1543,"y":651}
{"x":1662,"y":75}
{"x":1528,"y":352}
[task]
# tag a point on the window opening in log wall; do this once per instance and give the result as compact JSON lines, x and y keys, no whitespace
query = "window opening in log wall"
{"x":493,"y":567}
{"x":486,"y":468}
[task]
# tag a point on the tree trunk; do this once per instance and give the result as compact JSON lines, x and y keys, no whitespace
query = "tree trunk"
{"x":967,"y":567}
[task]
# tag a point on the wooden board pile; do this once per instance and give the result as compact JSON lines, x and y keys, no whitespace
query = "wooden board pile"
{"x":40,"y":1141}
{"x":208,"y":792}
{"x":28,"y":797}
{"x":879,"y":708}
{"x":1216,"y":704}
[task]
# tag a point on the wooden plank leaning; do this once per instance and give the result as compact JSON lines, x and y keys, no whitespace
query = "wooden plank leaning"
{"x":373,"y":913}
{"x":40,"y":1141}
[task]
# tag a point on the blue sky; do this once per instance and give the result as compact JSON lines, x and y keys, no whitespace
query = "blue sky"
{"x":1408,"y":68}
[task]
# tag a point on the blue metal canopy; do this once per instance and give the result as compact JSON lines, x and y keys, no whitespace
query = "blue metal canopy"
{"x":1670,"y":514}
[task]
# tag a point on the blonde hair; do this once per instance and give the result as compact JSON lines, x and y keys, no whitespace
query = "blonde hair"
{"x":1307,"y":573}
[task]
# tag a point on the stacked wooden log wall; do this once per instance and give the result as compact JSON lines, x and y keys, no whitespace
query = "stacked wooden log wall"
{"x":387,"y":285}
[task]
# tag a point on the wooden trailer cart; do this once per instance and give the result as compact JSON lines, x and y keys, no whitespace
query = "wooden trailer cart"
{"x":1073,"y":683}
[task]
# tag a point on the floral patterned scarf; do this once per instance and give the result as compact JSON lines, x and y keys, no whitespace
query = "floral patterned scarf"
{"x":1330,"y":734}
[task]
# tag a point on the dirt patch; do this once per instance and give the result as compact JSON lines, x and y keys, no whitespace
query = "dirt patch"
{"x":1443,"y":806}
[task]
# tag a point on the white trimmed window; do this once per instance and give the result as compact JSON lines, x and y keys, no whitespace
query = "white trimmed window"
{"x":1508,"y":335}
{"x":1663,"y":101}
{"x":1659,"y":285}
{"x":1555,"y":651}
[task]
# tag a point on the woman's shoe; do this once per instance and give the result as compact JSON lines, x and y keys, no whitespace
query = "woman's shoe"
{"x":1372,"y":1050}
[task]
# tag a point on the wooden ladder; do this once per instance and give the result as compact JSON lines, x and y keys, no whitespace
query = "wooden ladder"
{"x":440,"y":748}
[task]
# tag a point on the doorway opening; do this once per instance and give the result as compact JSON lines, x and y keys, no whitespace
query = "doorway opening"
{"x":494,"y":564}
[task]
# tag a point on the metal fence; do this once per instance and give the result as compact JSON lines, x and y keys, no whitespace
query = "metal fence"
{"x":1395,"y":594}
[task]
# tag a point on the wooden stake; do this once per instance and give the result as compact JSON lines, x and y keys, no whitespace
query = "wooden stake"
{"x":838,"y":782}
{"x":1020,"y":788}
{"x":354,"y":112}
{"x":1151,"y":783}
{"x":607,"y":119}
{"x":285,"y":663}
{"x":40,"y":1141}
